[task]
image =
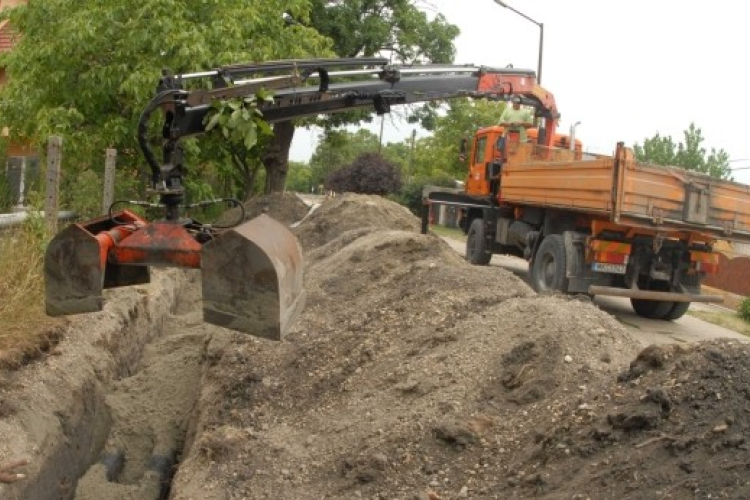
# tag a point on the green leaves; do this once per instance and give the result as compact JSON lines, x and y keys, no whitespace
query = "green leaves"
{"x":85,"y":69}
{"x":239,"y":120}
{"x":460,"y":118}
{"x":367,"y":27}
{"x":690,"y":154}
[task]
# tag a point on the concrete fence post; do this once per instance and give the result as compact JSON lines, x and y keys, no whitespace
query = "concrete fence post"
{"x":110,"y":162}
{"x":51,"y":205}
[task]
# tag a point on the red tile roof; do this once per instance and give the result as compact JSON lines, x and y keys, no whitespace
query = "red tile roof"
{"x":7,"y":36}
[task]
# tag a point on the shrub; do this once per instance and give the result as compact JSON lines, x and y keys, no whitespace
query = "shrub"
{"x":370,"y":173}
{"x":743,"y":311}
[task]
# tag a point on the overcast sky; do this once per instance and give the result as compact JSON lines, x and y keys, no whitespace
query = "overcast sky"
{"x":624,"y":69}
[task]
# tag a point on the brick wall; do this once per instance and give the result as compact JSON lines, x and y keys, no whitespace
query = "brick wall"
{"x":733,"y":275}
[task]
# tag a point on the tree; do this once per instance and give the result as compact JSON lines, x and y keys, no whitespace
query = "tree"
{"x":370,"y":173}
{"x":439,"y":154}
{"x":299,"y":178}
{"x":690,"y":155}
{"x":84,"y":69}
{"x":365,"y":28}
{"x":339,"y":148}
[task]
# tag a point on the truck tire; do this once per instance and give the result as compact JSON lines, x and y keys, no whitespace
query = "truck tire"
{"x":678,"y":310}
{"x":477,"y":252}
{"x":548,"y":269}
{"x":693,"y":285}
{"x":653,"y":309}
{"x":666,"y":310}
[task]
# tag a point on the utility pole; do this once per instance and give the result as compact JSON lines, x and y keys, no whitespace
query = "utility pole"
{"x":411,"y":154}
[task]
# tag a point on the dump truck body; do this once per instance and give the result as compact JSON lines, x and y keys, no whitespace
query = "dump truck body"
{"x":595,"y":224}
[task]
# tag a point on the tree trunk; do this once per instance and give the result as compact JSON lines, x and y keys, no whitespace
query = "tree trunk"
{"x":276,"y":156}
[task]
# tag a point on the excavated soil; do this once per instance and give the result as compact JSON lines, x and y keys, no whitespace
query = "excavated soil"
{"x":412,"y":375}
{"x":284,"y":207}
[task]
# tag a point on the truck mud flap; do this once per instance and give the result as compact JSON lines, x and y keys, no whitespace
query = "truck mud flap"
{"x":653,"y":295}
{"x":252,"y":277}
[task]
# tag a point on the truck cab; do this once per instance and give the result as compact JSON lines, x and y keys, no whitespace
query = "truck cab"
{"x":491,"y":147}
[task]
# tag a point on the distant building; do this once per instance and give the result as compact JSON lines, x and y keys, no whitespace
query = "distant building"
{"x":21,"y":162}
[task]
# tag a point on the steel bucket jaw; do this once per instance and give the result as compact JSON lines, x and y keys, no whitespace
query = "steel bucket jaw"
{"x":252,"y":279}
{"x":76,"y":270}
{"x":73,"y":275}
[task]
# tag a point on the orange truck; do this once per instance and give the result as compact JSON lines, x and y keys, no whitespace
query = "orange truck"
{"x":594,"y":224}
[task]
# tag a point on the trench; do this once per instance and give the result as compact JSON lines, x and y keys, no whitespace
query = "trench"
{"x":118,"y":432}
{"x":149,"y":414}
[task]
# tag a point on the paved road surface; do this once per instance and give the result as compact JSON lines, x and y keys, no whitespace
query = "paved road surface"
{"x":685,"y":329}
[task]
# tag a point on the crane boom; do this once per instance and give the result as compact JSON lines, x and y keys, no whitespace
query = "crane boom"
{"x":311,"y":87}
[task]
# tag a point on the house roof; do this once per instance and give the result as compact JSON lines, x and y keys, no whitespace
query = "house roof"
{"x":7,"y":36}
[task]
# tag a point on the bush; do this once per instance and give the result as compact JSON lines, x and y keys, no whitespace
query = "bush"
{"x":370,"y":173}
{"x":743,"y":311}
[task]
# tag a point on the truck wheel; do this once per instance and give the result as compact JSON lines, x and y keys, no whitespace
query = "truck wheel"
{"x":652,"y":309}
{"x":678,"y":310}
{"x":548,"y":269}
{"x":476,"y":246}
{"x":692,"y":283}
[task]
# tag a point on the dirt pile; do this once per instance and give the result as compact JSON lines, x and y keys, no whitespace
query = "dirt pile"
{"x":284,"y":207}
{"x":351,"y":212}
{"x":675,"y":424}
{"x":411,"y":374}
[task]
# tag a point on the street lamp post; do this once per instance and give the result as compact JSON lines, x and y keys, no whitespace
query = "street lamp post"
{"x":541,"y":36}
{"x":573,"y":135}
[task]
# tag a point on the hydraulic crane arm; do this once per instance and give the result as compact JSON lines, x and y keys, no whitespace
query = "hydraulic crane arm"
{"x":313,"y":87}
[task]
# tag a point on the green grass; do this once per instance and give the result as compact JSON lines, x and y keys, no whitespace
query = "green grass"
{"x":728,"y":320}
{"x":26,"y":330}
{"x":449,"y":232}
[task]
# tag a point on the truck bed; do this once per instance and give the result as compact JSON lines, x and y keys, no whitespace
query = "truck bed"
{"x":627,"y":192}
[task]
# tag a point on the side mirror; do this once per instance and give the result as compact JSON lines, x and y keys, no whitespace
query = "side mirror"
{"x":500,"y":143}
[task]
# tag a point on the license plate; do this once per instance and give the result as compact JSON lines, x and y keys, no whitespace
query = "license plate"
{"x":603,"y":267}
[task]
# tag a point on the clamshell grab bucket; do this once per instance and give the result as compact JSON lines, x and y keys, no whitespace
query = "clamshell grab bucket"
{"x":252,"y":279}
{"x":251,"y":275}
{"x":77,"y":268}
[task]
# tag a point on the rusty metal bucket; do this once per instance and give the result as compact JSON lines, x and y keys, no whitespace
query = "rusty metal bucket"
{"x":76,"y":267}
{"x":252,"y":279}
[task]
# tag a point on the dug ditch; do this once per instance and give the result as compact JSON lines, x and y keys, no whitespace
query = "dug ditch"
{"x":107,"y":415}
